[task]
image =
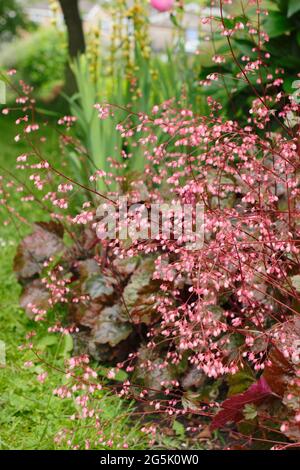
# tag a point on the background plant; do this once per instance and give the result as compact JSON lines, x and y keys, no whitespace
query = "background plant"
{"x":13,"y":19}
{"x":278,"y":54}
{"x":131,"y":76}
{"x":40,"y":59}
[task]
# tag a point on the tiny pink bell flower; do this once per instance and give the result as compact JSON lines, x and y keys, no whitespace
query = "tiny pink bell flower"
{"x":162,"y":5}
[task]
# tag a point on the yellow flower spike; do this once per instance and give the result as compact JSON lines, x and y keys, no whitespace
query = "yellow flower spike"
{"x":55,"y":8}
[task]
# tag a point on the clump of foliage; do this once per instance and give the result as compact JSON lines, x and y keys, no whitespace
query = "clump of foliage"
{"x":206,"y":334}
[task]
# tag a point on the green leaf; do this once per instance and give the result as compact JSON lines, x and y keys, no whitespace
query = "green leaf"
{"x":121,"y":376}
{"x":249,"y":411}
{"x":230,"y":23}
{"x":46,"y":341}
{"x":294,"y":7}
{"x":276,"y":24}
{"x":66,"y":346}
{"x":174,"y":20}
{"x":240,"y":381}
{"x":179,"y":429}
{"x":191,"y":400}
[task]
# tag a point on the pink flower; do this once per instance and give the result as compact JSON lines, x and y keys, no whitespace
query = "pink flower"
{"x":28,"y":364}
{"x":162,"y":5}
{"x":111,"y":374}
{"x":218,"y":59}
{"x":42,"y":377}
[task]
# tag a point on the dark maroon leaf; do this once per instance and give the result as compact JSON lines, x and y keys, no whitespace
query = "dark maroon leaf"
{"x":193,"y":378}
{"x":111,"y":326}
{"x":279,"y":373}
{"x":124,"y":267}
{"x":34,"y":294}
{"x":154,"y":377}
{"x":139,"y":293}
{"x":36,"y":248}
{"x":281,"y":370}
{"x":52,"y":227}
{"x":100,"y":287}
{"x":233,"y":406}
{"x":87,"y":268}
{"x":86,"y":313}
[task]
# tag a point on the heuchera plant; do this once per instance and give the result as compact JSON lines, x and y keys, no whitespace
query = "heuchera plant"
{"x":208,"y":336}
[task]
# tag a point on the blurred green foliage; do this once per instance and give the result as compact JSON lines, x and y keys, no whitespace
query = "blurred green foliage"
{"x":39,"y":58}
{"x":12,"y":18}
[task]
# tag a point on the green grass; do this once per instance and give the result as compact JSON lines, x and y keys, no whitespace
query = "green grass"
{"x":30,"y":414}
